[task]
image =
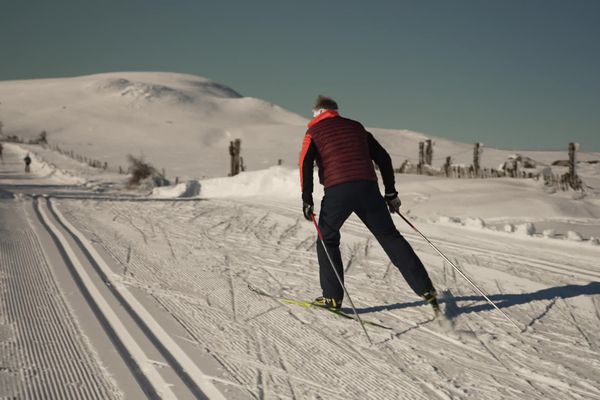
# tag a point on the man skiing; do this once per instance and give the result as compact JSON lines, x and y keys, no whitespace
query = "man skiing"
{"x":27,"y":160}
{"x":344,"y":152}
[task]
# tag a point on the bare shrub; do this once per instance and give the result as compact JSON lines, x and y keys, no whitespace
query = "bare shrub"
{"x":140,"y":170}
{"x":143,"y":172}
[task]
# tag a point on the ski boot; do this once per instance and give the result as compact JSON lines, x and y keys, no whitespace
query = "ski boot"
{"x":327,"y":302}
{"x":431,"y":298}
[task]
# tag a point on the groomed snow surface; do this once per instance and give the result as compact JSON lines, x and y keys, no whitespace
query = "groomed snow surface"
{"x":201,"y":266}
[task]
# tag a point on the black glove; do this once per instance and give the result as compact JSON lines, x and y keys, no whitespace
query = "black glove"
{"x":308,"y":206}
{"x":393,"y":202}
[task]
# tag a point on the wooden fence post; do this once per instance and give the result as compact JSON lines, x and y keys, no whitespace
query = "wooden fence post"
{"x":421,"y":158}
{"x":477,"y":150}
{"x":235,"y":148}
{"x":428,"y":152}
{"x":573,"y":178}
{"x":447,"y":166}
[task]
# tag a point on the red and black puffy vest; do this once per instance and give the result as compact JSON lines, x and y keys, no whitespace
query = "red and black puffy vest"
{"x":343,"y":149}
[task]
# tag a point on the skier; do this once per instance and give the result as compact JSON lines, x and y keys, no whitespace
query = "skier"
{"x":344,"y":152}
{"x":27,"y":160}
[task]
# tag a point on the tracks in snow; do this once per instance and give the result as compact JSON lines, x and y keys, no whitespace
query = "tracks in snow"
{"x":87,"y":266}
{"x":264,"y":346}
{"x":43,"y":352}
{"x":502,"y":257}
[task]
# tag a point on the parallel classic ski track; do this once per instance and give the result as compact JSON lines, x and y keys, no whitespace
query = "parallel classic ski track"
{"x":141,"y":366}
{"x":48,"y":357}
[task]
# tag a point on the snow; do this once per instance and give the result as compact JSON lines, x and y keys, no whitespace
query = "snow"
{"x":510,"y":228}
{"x":549,"y":233}
{"x":192,"y":258}
{"x":43,"y":169}
{"x":574,"y":236}
{"x":181,"y":190}
{"x":476,"y":223}
{"x":184,"y":123}
{"x":526,"y":229}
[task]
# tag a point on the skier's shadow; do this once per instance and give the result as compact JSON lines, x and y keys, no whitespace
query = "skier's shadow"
{"x":453,"y":309}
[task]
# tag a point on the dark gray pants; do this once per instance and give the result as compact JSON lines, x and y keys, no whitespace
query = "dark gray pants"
{"x":364,"y":199}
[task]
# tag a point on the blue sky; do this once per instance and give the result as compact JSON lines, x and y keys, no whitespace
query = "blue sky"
{"x":514,"y":74}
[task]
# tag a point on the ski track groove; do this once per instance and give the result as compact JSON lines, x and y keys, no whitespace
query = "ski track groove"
{"x":270,"y":253}
{"x":496,"y":357}
{"x":47,"y":337}
{"x":532,"y":357}
{"x":283,"y":365}
{"x":577,"y":326}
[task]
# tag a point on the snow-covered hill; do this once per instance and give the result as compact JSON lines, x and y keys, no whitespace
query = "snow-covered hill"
{"x":184,"y":123}
{"x":179,"y":122}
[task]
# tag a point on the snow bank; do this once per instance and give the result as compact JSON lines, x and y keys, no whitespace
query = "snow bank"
{"x":574,"y":236}
{"x":549,"y":233}
{"x":277,"y":182}
{"x":509,"y":228}
{"x":470,"y":222}
{"x":526,"y":229}
{"x":181,"y":190}
{"x":273,"y":182}
{"x":448,"y":220}
{"x":476,"y":223}
{"x":523,"y":230}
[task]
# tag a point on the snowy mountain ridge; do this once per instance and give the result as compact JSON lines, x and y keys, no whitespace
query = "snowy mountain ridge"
{"x":184,"y":123}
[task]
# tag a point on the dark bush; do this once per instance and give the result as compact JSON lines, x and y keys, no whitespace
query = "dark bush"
{"x":141,"y":170}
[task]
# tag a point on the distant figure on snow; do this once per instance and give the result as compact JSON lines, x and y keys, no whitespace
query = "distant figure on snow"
{"x":27,"y":160}
{"x":344,"y":152}
{"x":1,"y":148}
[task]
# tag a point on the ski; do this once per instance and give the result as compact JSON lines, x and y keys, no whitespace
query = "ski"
{"x":441,"y":316}
{"x":307,"y":304}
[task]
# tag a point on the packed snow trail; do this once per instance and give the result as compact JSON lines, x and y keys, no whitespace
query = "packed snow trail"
{"x":43,"y":352}
{"x":203,"y":261}
{"x":200,"y":263}
{"x":68,"y":329}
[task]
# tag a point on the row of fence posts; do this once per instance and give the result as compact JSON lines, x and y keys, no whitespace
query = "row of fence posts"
{"x":450,"y":170}
{"x":96,"y":163}
{"x":566,"y":181}
{"x":89,"y":161}
{"x":570,"y":179}
{"x":561,"y":182}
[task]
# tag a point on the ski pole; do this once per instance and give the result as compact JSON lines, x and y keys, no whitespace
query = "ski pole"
{"x":320,"y":235}
{"x":459,"y":271}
